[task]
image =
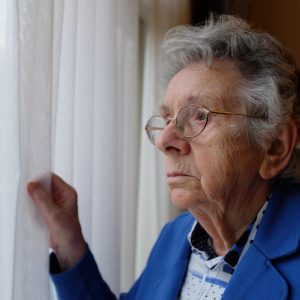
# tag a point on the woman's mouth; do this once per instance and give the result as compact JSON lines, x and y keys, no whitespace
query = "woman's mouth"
{"x":175,"y":177}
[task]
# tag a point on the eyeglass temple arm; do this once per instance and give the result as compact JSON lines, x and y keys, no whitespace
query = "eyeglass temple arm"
{"x":234,"y":114}
{"x":150,"y":128}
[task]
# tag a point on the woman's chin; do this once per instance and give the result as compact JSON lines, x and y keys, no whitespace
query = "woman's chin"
{"x":182,"y":199}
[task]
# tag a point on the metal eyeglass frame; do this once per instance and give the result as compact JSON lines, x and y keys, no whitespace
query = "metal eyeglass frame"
{"x":205,"y":110}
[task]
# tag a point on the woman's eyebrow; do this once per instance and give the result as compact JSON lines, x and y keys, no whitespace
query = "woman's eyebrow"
{"x":188,"y":100}
{"x":163,"y":109}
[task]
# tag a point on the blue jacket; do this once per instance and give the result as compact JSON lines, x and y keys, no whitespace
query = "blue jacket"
{"x":270,"y":268}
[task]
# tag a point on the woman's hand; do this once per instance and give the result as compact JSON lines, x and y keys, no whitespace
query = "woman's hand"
{"x":59,"y":209}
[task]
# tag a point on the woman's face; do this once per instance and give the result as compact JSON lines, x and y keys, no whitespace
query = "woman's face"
{"x":216,"y":172}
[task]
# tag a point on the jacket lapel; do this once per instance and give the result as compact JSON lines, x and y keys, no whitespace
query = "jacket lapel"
{"x":256,"y":278}
{"x":173,"y":270}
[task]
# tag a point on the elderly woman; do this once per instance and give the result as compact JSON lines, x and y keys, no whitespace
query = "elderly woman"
{"x":228,"y":127}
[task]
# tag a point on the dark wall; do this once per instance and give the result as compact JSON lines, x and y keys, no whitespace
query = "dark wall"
{"x":200,"y":9}
{"x":281,"y":18}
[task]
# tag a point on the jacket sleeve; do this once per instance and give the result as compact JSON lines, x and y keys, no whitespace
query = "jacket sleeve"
{"x":82,"y":282}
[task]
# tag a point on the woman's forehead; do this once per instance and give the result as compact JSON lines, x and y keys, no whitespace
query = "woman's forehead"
{"x":206,"y":86}
{"x":200,"y":99}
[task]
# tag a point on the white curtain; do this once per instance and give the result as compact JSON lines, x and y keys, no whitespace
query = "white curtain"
{"x":27,"y":60}
{"x":97,"y":127}
{"x":70,"y":101}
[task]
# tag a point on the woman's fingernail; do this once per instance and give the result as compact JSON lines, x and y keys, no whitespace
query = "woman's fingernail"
{"x":31,"y":186}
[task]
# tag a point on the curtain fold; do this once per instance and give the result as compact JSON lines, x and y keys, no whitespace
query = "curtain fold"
{"x":9,"y":140}
{"x":128,"y":135}
{"x":28,"y":53}
{"x":28,"y":56}
{"x":36,"y":61}
{"x":96,"y":136}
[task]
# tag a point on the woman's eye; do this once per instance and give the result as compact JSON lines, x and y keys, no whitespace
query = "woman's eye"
{"x":168,"y":120}
{"x":200,"y":116}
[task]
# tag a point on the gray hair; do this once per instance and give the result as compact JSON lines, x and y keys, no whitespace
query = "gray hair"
{"x":270,"y":84}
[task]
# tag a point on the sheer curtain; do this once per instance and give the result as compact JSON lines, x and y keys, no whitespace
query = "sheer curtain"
{"x":97,"y":127}
{"x":27,"y":60}
{"x":72,"y":100}
{"x":68,"y":103}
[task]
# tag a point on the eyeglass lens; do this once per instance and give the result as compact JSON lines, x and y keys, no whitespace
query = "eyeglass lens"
{"x":190,"y":122}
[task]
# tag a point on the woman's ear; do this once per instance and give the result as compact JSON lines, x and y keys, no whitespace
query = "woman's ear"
{"x":279,"y":153}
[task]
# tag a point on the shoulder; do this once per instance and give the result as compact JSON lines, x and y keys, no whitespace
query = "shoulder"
{"x":285,"y":202}
{"x":288,"y":190}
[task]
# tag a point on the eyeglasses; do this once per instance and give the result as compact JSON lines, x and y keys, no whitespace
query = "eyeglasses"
{"x":190,"y":121}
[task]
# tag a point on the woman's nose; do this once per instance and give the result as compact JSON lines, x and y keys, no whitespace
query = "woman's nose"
{"x":171,"y":141}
